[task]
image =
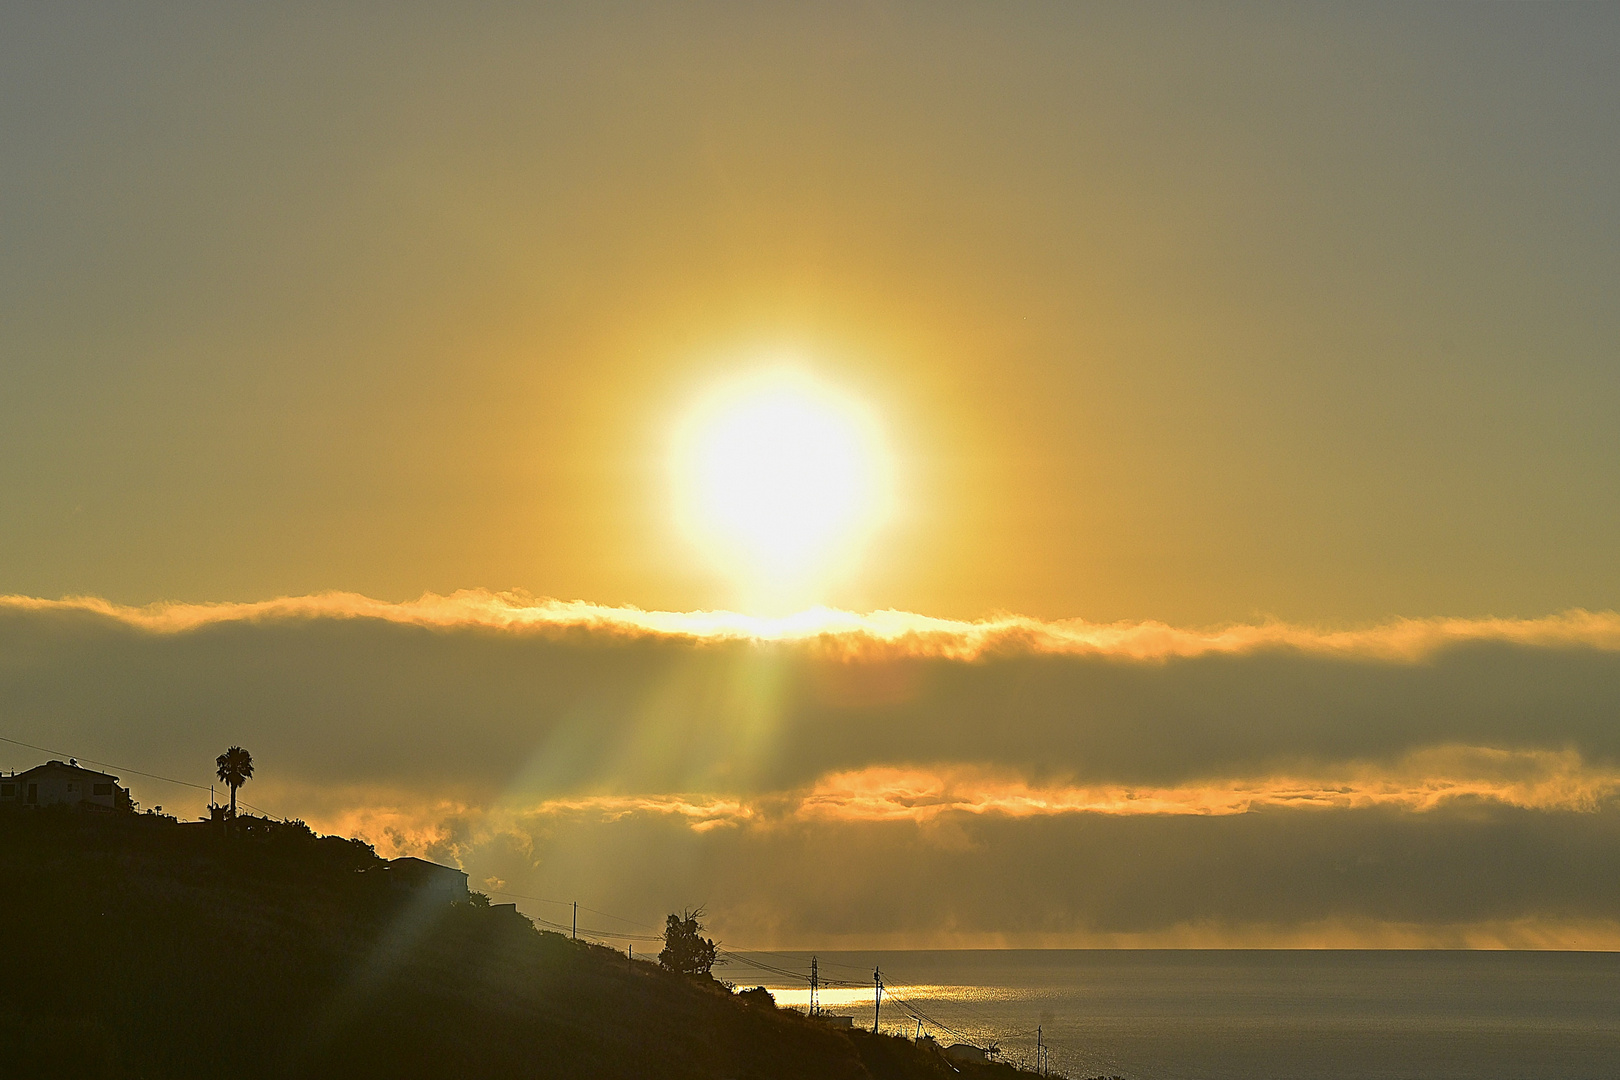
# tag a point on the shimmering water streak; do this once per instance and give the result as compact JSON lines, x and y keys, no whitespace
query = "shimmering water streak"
{"x":1249,"y":1015}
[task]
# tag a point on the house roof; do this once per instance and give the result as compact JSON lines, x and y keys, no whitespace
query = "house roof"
{"x":967,"y":1051}
{"x":422,"y":866}
{"x":61,"y":768}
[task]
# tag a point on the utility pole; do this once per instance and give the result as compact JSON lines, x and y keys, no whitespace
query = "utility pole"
{"x":877,"y":997}
{"x":815,"y":984}
{"x":576,"y":920}
{"x":1040,"y":1051}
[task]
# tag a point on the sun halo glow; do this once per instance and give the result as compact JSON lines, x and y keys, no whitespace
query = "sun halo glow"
{"x":780,"y":479}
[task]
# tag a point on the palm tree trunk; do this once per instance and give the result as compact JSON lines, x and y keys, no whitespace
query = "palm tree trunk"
{"x":233,"y":800}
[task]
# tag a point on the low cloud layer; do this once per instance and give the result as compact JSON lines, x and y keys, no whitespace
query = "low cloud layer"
{"x":925,"y":781}
{"x":873,"y":635}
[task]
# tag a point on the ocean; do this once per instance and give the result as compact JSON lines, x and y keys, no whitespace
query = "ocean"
{"x":1238,"y":1015}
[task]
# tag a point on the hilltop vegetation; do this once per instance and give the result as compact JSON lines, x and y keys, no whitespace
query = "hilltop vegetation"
{"x":139,"y":948}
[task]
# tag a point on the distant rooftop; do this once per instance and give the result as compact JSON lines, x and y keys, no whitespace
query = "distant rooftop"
{"x":71,"y":767}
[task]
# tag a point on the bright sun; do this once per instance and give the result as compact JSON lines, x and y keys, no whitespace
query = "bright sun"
{"x":780,"y":477}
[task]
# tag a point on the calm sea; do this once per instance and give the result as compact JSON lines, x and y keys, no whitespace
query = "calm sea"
{"x":1242,"y":1015}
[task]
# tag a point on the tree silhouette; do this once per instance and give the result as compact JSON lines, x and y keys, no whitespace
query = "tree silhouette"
{"x":235,"y":769}
{"x":686,"y":950}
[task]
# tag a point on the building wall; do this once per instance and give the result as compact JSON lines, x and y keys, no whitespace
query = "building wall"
{"x":73,"y":789}
{"x":54,"y":787}
{"x":429,"y":876}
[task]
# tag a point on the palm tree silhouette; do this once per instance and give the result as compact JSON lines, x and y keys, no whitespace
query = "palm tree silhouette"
{"x":235,"y":769}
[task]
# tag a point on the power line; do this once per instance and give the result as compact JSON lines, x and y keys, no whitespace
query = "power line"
{"x":917,"y":1013}
{"x":887,"y":992}
{"x":619,"y":918}
{"x":797,"y":976}
{"x":538,"y":899}
{"x":570,"y":904}
{"x":122,"y":769}
{"x":905,"y":1004}
{"x":883,"y":991}
{"x":107,"y":764}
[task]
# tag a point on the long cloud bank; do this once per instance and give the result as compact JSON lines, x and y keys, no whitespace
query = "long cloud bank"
{"x":873,"y":634}
{"x":538,"y":741}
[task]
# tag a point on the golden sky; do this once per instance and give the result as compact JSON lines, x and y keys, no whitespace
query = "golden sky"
{"x":1190,"y":313}
{"x":1237,"y":388}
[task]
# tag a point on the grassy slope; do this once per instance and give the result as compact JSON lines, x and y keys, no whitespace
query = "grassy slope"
{"x":137,"y":948}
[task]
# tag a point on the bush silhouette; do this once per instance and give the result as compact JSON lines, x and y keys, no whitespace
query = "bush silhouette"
{"x":686,"y":951}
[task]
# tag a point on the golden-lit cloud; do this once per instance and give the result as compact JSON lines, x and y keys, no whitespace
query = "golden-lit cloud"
{"x":886,"y":778}
{"x":1476,"y":842}
{"x":1422,"y":781}
{"x":869,"y":635}
{"x":697,"y":812}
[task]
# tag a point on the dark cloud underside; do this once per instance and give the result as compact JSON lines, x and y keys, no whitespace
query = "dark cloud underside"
{"x":649,"y":769}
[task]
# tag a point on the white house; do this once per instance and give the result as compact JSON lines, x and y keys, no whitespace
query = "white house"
{"x":56,"y":784}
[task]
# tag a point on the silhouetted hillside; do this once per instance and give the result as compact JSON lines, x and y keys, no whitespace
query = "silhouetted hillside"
{"x":135,"y":947}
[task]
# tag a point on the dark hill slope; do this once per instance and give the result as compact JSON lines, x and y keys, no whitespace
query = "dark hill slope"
{"x":135,"y":947}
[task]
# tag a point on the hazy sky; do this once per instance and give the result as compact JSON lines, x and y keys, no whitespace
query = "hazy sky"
{"x":1189,"y":313}
{"x":1293,"y":320}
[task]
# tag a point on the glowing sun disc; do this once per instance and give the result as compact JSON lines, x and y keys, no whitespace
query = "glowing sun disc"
{"x":782,"y":473}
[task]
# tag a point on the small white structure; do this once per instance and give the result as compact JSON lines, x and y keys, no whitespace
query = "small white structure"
{"x":64,"y":784}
